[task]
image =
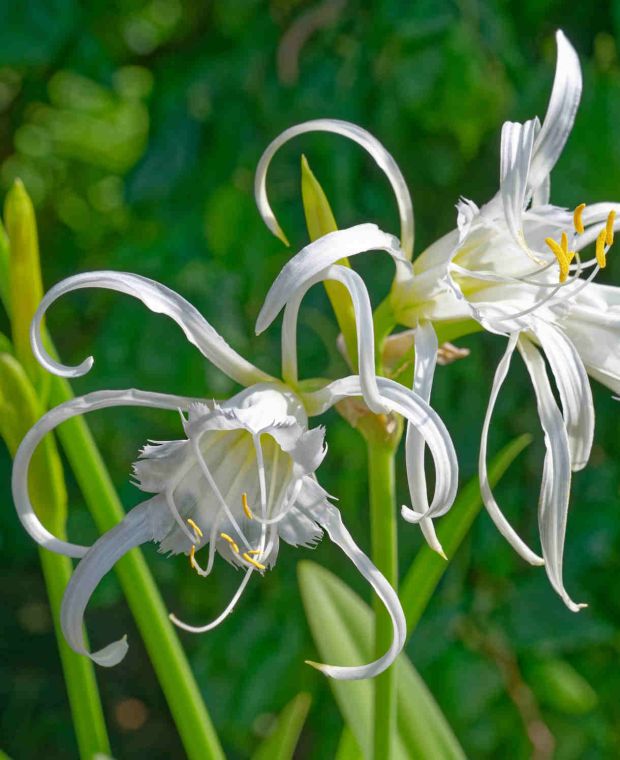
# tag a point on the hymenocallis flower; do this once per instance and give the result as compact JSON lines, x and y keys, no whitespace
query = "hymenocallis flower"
{"x":243,"y":476}
{"x":513,"y":267}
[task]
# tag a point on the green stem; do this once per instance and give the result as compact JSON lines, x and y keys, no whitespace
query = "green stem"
{"x":385,"y":557}
{"x":86,"y":710}
{"x":173,"y":672}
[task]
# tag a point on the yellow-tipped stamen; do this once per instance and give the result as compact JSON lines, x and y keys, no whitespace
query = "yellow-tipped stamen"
{"x":609,"y":228}
{"x":577,"y":220}
{"x":192,"y":558}
{"x":252,"y":561}
{"x":254,"y":551}
{"x":562,"y":255}
{"x":231,"y":541}
{"x":246,"y":506}
{"x":601,"y":258}
{"x":194,"y":527}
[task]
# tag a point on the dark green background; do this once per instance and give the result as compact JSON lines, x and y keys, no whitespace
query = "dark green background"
{"x":137,"y":127}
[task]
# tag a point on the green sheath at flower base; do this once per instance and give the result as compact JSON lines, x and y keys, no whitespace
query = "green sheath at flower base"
{"x":320,"y":221}
{"x":25,"y":283}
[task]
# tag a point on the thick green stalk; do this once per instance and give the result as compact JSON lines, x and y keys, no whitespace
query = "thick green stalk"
{"x":173,"y":672}
{"x":385,"y":557}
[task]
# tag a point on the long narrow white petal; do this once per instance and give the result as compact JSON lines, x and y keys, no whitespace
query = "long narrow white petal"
{"x":416,"y":411}
{"x":135,"y":529}
{"x":574,"y":388}
{"x":555,"y":490}
{"x":159,"y":299}
{"x":51,"y":420}
{"x":319,"y":255}
{"x":222,"y":616}
{"x":501,"y":523}
{"x":359,"y":135}
{"x":426,"y":345}
{"x":365,"y":331}
{"x":328,"y":517}
{"x":561,"y":111}
{"x":516,"y":154}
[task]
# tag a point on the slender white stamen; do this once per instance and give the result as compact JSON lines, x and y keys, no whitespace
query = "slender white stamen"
{"x":222,"y":616}
{"x":218,"y":494}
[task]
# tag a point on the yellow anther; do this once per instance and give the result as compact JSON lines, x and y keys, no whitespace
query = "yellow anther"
{"x":254,"y":551}
{"x":252,"y":561}
{"x":577,"y":220}
{"x":601,"y":258}
{"x":194,"y":527}
{"x":192,"y":559}
{"x":231,"y":541}
{"x":609,"y":228}
{"x":246,"y":506}
{"x":562,"y":255}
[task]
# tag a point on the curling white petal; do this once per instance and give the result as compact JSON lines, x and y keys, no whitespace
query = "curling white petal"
{"x":359,"y":135}
{"x":501,"y":523}
{"x":574,"y":388}
{"x":516,"y":154}
{"x":365,"y":331}
{"x":555,"y":490}
{"x":51,"y":420}
{"x":135,"y":529}
{"x":426,"y":345}
{"x":561,"y":111}
{"x":542,"y":194}
{"x":159,"y":299}
{"x":319,"y":255}
{"x":328,"y":517}
{"x":416,"y":411}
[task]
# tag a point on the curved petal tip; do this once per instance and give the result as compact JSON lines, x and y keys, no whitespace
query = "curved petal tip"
{"x":112,"y":654}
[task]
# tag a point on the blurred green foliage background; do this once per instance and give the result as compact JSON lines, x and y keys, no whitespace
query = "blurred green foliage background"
{"x":136,"y":127}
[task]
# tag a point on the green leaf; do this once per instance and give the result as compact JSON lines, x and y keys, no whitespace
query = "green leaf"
{"x":428,"y":567}
{"x":342,"y":626}
{"x":281,"y":743}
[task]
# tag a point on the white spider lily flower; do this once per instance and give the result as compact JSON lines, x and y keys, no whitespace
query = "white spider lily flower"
{"x":243,"y":477}
{"x":514,"y":267}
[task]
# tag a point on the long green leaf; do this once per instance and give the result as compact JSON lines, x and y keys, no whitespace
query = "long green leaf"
{"x":19,"y":409}
{"x":428,"y":568}
{"x":342,"y":626}
{"x":281,"y":743}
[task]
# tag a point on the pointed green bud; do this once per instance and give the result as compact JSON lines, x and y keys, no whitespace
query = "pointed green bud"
{"x":320,"y":221}
{"x":20,"y":408}
{"x":25,"y":284}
